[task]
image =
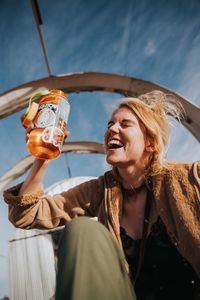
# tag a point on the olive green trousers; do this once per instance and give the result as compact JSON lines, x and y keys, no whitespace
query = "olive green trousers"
{"x":91,"y":264}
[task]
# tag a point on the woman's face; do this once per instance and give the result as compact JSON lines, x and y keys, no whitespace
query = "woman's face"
{"x":125,"y":141}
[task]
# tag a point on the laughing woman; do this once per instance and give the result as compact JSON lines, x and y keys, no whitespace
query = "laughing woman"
{"x":149,"y":244}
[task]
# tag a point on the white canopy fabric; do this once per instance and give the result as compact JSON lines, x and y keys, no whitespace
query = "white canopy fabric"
{"x":31,"y":266}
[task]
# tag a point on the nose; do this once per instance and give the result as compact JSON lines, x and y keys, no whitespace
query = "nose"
{"x":114,"y":128}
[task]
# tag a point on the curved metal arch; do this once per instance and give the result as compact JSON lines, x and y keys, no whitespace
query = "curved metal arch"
{"x":17,"y":98}
{"x":23,"y":165}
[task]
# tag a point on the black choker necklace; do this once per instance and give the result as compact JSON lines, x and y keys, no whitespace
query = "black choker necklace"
{"x":133,"y":191}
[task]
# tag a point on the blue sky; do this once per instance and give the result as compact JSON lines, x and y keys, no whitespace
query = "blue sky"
{"x":158,"y":41}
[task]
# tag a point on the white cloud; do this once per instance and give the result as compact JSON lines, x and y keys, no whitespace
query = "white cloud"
{"x":109,"y":106}
{"x":126,"y":35}
{"x":150,"y":48}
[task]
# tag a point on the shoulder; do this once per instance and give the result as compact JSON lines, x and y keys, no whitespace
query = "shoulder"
{"x":174,"y":172}
{"x":176,"y":168}
{"x":174,"y":165}
{"x":185,"y":171}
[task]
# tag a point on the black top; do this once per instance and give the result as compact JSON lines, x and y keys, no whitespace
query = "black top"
{"x":165,"y":274}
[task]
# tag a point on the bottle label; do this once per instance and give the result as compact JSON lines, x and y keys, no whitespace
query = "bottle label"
{"x":46,"y":115}
{"x":54,"y":136}
{"x":53,"y":119}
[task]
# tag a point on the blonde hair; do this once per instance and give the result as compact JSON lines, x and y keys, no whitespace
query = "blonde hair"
{"x":153,"y":109}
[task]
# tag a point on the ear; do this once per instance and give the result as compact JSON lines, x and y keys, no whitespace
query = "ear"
{"x":149,"y":146}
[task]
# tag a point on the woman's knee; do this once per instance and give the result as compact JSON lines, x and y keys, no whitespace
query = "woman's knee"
{"x":83,"y":225}
{"x":83,"y":230}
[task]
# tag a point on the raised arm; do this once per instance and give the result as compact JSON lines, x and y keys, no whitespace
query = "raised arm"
{"x":33,"y":209}
{"x":33,"y":182}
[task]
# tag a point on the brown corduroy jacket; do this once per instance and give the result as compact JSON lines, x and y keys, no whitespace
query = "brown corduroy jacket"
{"x":176,"y":192}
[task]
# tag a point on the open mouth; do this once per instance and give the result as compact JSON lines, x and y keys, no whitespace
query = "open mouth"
{"x":115,"y":144}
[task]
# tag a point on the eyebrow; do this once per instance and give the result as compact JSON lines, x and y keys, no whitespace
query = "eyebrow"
{"x":123,"y":121}
{"x":110,"y":122}
{"x":128,"y":121}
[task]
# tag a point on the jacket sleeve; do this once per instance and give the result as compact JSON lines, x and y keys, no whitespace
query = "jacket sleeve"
{"x":45,"y":212}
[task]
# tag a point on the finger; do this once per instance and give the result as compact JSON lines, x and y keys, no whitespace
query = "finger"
{"x":27,"y":137}
{"x":30,"y":127}
{"x":66,"y":134}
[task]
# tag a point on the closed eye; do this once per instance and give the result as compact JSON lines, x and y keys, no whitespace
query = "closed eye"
{"x":124,"y":123}
{"x":127,"y":123}
{"x":110,"y":124}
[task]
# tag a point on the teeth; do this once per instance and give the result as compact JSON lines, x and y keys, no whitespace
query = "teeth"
{"x":114,"y":142}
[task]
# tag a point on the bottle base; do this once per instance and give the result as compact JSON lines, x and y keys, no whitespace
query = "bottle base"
{"x":39,"y":149}
{"x":44,"y":154}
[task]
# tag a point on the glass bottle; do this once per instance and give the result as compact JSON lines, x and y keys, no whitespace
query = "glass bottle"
{"x":49,"y":126}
